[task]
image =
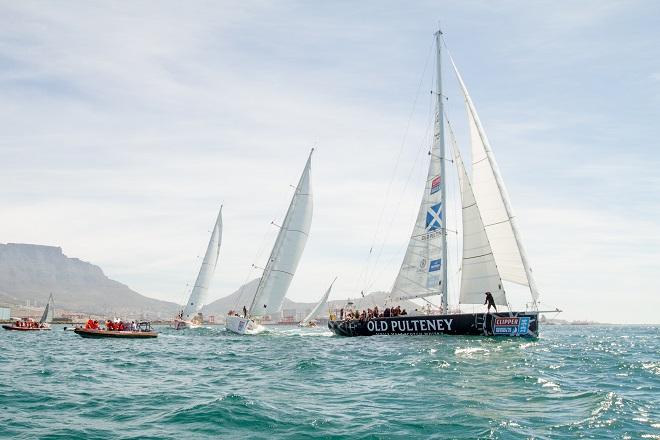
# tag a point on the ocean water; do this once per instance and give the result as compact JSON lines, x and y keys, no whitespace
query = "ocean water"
{"x":573,"y":382}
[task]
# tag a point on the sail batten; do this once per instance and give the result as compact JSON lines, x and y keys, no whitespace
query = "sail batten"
{"x":287,"y":250}
{"x":199,"y":293}
{"x":494,"y":205}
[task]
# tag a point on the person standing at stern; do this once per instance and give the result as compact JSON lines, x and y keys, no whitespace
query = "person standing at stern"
{"x":490,"y":301}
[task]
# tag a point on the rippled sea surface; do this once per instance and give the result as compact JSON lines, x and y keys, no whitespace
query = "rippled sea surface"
{"x":573,"y":382}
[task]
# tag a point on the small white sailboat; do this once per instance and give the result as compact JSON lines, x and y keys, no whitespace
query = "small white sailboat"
{"x":308,"y":321}
{"x":283,"y":261}
{"x":189,"y":316}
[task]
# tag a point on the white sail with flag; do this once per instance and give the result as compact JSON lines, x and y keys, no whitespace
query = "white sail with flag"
{"x":423,"y":271}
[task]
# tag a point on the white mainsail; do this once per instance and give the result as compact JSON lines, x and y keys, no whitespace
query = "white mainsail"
{"x":47,"y":316}
{"x":479,"y":272}
{"x":421,"y":271}
{"x":287,"y":250}
{"x":200,"y":291}
{"x":494,"y":205}
{"x":424,"y":267}
{"x":317,"y":308}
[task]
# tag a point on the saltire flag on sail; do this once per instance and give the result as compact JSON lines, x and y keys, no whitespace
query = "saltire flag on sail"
{"x":434,"y":217}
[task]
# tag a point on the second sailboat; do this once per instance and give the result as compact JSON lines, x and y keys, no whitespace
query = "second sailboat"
{"x":283,"y":260}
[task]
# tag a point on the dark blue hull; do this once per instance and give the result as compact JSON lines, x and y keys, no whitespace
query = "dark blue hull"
{"x":517,"y":324}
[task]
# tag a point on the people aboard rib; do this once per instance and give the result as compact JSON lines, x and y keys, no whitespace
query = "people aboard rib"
{"x":29,"y":323}
{"x":112,"y":326}
{"x":92,"y":324}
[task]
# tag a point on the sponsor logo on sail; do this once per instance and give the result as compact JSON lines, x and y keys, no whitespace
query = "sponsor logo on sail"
{"x":435,"y":265}
{"x":435,"y":184}
{"x":434,"y":217}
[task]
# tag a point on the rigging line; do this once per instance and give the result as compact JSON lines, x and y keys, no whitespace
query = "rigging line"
{"x":397,"y":205}
{"x":396,"y":166}
{"x":427,"y":139}
{"x":188,"y":288}
{"x":260,"y":250}
{"x":184,"y":299}
{"x":458,"y":200}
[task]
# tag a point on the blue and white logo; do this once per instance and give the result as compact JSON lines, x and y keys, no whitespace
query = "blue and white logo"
{"x":523,"y":326}
{"x":435,"y":265}
{"x":434,"y":217}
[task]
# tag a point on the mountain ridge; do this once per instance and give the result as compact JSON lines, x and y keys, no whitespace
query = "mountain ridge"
{"x":33,"y":271}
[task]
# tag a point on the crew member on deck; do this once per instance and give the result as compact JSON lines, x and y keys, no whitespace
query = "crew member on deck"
{"x":490,"y":301}
{"x":244,"y":312}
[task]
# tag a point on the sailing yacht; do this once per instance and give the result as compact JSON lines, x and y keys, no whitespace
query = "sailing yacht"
{"x":283,"y":261}
{"x":28,"y":324}
{"x":190,"y":317}
{"x":309,"y":320}
{"x":492,"y":247}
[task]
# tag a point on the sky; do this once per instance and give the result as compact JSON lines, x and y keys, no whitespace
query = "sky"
{"x":125,"y":125}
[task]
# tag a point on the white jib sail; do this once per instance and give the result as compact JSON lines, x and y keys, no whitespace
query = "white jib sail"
{"x":479,"y":272}
{"x":494,"y":205}
{"x":200,"y":291}
{"x":47,"y":316}
{"x":421,"y":271}
{"x":317,"y":308}
{"x":287,"y":250}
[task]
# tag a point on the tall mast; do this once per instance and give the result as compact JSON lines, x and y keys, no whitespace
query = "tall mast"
{"x":439,"y":147}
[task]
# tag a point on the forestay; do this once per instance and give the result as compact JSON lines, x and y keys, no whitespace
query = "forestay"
{"x":287,"y":250}
{"x":479,"y":272}
{"x":494,"y":205}
{"x":202,"y":283}
{"x":421,"y":271}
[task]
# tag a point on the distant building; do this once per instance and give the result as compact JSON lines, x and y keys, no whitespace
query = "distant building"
{"x":5,"y":314}
{"x":288,"y":316}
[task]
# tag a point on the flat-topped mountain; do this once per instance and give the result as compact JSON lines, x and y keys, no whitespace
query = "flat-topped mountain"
{"x":32,"y":272}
